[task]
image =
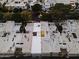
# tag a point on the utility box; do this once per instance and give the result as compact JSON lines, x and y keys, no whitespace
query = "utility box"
{"x":42,"y":33}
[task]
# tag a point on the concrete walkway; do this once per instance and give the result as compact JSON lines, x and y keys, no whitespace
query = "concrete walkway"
{"x":36,"y":41}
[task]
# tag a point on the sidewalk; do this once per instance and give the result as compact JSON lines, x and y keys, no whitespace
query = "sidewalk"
{"x":36,"y":41}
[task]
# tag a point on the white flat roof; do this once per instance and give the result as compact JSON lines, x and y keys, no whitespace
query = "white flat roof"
{"x":51,"y":42}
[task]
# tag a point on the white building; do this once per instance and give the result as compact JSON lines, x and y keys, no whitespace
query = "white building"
{"x":17,"y":4}
{"x":45,"y":3}
{"x":40,"y":38}
{"x":72,"y":2}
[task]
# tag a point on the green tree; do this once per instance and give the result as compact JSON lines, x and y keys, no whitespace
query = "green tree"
{"x":26,"y":15}
{"x":3,"y":8}
{"x":61,"y":8}
{"x":7,"y":16}
{"x":46,"y":17}
{"x":17,"y":10}
{"x":74,"y":15}
{"x":16,"y":17}
{"x":36,"y":8}
{"x":59,"y":11}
